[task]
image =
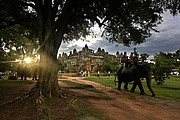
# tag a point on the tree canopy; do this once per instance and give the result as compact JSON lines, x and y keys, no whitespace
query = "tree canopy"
{"x":124,"y":21}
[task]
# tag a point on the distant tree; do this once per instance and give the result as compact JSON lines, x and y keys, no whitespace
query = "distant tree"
{"x":18,"y":42}
{"x":61,"y":65}
{"x":110,"y":64}
{"x":162,"y":68}
{"x":143,"y":57}
{"x":177,"y":59}
{"x":136,"y":52}
{"x":177,"y":54}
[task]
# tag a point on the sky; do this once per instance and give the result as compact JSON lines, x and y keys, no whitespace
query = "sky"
{"x":166,"y":40}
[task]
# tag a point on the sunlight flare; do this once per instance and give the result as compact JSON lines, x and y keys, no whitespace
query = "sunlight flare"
{"x":28,"y":60}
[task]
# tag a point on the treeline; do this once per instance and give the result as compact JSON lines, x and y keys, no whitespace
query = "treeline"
{"x":164,"y":63}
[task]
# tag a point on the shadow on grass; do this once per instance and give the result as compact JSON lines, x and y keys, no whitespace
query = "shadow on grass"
{"x":93,"y":92}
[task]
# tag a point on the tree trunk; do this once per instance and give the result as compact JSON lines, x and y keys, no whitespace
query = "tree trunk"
{"x":50,"y":40}
{"x":47,"y":83}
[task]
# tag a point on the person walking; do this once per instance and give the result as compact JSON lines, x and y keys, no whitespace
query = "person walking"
{"x":109,"y":73}
{"x":98,"y":73}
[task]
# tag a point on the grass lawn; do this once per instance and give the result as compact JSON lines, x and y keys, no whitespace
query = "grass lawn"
{"x":169,"y":90}
{"x":82,"y":86}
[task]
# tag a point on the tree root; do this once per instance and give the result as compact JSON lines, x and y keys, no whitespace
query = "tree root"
{"x":72,"y":102}
{"x":63,"y":94}
{"x":39,"y":99}
{"x":20,"y":98}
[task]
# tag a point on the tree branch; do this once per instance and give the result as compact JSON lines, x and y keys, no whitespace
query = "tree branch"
{"x":6,"y":26}
{"x":11,"y":23}
{"x":27,"y":4}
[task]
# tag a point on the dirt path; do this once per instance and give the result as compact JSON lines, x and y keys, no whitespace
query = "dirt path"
{"x":128,"y":106}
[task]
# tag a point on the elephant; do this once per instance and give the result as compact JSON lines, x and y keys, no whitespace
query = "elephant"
{"x":135,"y":73}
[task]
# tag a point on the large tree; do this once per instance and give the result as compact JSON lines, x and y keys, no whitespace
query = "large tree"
{"x":123,"y":21}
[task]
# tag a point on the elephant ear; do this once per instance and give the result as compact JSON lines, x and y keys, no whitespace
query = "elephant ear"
{"x":126,"y":70}
{"x":136,"y":69}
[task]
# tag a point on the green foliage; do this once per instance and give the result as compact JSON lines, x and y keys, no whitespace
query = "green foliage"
{"x":169,"y":90}
{"x":104,"y":81}
{"x":19,"y":40}
{"x":3,"y":57}
{"x":123,"y":21}
{"x":16,"y":12}
{"x":110,"y":64}
{"x":17,"y":43}
{"x":177,"y":59}
{"x":61,"y":65}
{"x":162,"y":68}
{"x":83,"y":86}
{"x":143,"y":57}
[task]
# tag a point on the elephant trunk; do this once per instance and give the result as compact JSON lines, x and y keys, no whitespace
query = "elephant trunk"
{"x":148,"y":81}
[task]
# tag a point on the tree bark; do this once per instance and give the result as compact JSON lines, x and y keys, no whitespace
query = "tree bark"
{"x":47,"y":83}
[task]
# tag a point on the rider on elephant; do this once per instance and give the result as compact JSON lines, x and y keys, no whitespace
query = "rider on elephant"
{"x":133,"y":59}
{"x":125,"y":60}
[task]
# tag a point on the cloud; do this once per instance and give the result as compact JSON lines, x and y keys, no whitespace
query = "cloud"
{"x":167,"y":40}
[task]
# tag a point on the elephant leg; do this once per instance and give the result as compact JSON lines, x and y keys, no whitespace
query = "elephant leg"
{"x":148,"y":80}
{"x":126,"y":86}
{"x":119,"y":85}
{"x":141,"y":87}
{"x":134,"y":86}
